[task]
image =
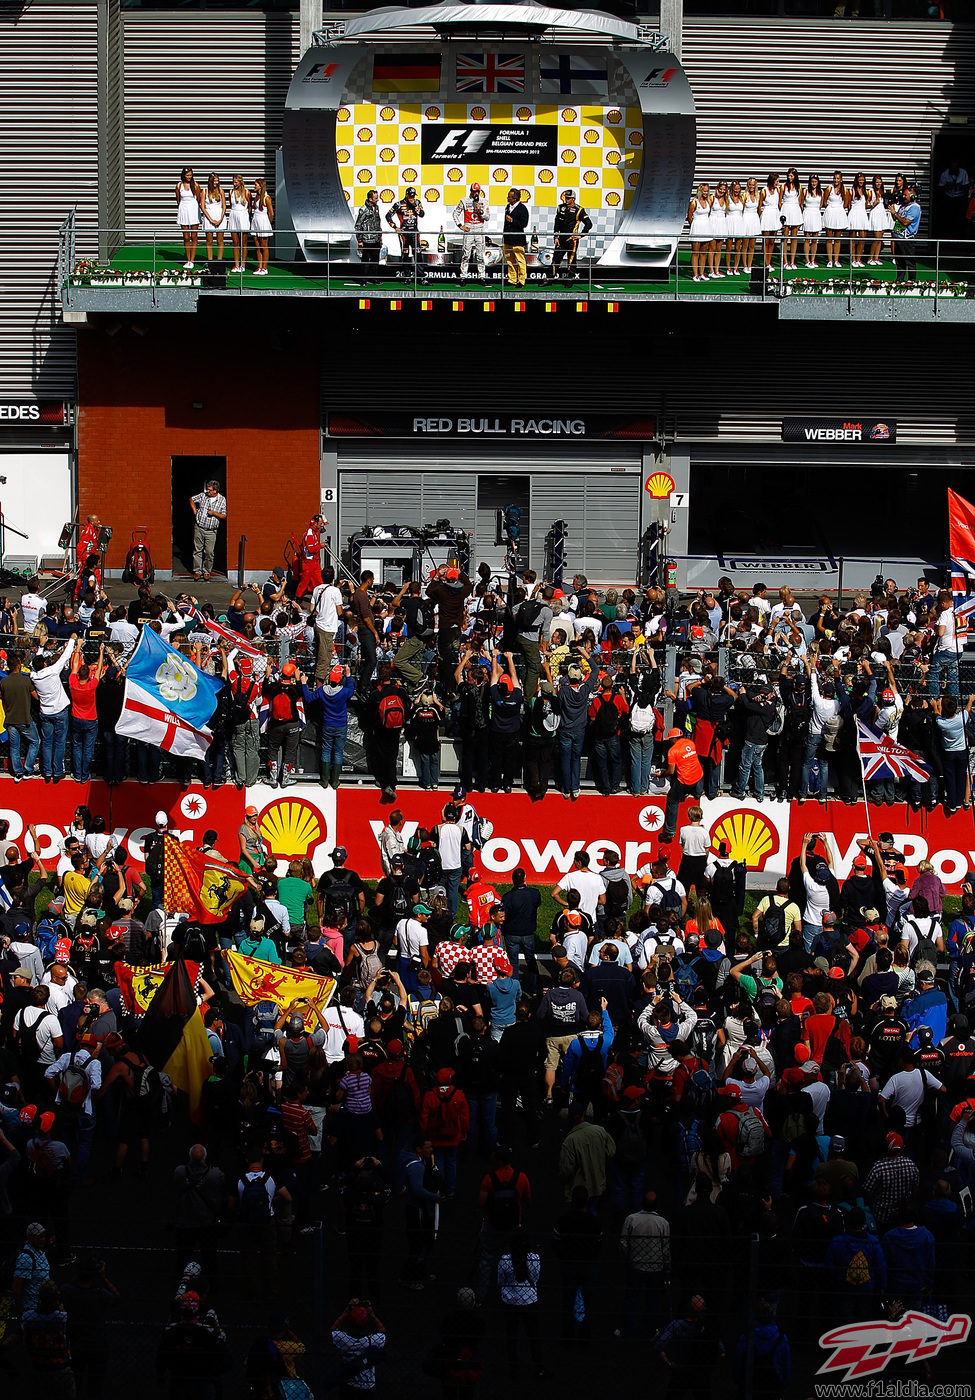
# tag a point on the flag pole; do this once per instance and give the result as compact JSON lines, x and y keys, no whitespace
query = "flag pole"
{"x":863,"y":778}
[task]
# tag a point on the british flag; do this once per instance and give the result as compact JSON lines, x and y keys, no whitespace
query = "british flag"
{"x":490,"y":72}
{"x":961,"y":546}
{"x":882,"y":759}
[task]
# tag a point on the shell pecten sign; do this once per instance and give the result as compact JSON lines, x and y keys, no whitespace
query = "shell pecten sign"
{"x":659,"y":486}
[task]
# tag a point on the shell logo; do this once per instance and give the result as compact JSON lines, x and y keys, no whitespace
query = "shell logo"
{"x":523,"y":113}
{"x":751,"y":838}
{"x":569,"y":157}
{"x":410,"y":133}
{"x":431,"y":196}
{"x":569,"y":114}
{"x":614,"y":116}
{"x":387,"y":154}
{"x":591,"y":136}
{"x":478,"y":114}
{"x":659,"y":486}
{"x":292,"y":828}
{"x":409,"y":174}
{"x":612,"y":199}
{"x":590,"y":177}
{"x":633,"y":180}
{"x":386,"y":114}
{"x":343,"y":115}
{"x":343,"y":157}
{"x":613,"y":157}
{"x":348,"y":196}
{"x":455,"y":174}
{"x":432,"y":113}
{"x":499,"y":175}
{"x":387,"y":196}
{"x":546,"y":176}
{"x":363,"y":176}
{"x":363,"y":134}
{"x":635,"y":138}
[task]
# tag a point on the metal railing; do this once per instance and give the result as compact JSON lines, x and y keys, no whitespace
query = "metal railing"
{"x":934,"y":269}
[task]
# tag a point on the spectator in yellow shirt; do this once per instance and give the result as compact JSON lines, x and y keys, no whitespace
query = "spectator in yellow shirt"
{"x":76,"y":886}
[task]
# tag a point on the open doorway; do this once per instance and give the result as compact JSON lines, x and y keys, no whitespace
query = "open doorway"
{"x":190,"y":474}
{"x":496,"y":493}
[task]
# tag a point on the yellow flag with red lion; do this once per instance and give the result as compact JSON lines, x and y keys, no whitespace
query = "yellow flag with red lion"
{"x":256,"y":981}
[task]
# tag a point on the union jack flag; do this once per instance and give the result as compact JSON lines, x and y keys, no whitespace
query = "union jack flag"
{"x":490,"y":72}
{"x":961,"y":547}
{"x":882,"y":759}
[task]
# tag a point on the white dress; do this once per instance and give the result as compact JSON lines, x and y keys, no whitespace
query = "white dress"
{"x":239,"y":218}
{"x":881,"y":219}
{"x":834,"y":216}
{"x":188,"y":213}
{"x":701,"y":223}
{"x":857,"y":219}
{"x":770,"y":212}
{"x":719,"y":221}
{"x":735,"y":218}
{"x":212,"y":207}
{"x":812,"y":214}
{"x":750,"y":225}
{"x":260,"y":223}
{"x":790,"y":208}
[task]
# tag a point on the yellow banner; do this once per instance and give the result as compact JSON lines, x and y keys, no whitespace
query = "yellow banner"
{"x":256,"y":981}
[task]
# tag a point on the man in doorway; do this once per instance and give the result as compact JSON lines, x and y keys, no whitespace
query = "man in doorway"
{"x":210,"y":509}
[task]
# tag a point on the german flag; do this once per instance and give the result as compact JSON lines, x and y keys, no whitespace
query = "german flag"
{"x":172,"y":1036}
{"x":406,"y":72}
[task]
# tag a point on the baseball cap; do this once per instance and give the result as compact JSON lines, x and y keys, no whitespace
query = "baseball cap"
{"x":672,"y":734}
{"x":837,"y":972}
{"x":28,"y":1113}
{"x":335,"y":674}
{"x":860,"y":862}
{"x":396,"y":860}
{"x":501,"y":964}
{"x":870,"y":916}
{"x":568,"y":194}
{"x":358,"y":1315}
{"x":460,"y":793}
{"x":242,"y":663}
{"x":821,"y":963}
{"x":340,"y":853}
{"x":395,"y":1048}
{"x":573,"y":918}
{"x":888,"y":1003}
{"x":277,"y":572}
{"x":894,"y":1141}
{"x":24,"y":972}
{"x":46,"y":1121}
{"x":411,"y":189}
{"x":829,"y":919}
{"x":289,"y":669}
{"x":422,"y":909}
{"x":811,"y":1067}
{"x":837,"y":1143}
{"x":161,"y":819}
{"x":887,"y":696}
{"x":250,"y":811}
{"x":475,"y":186}
{"x":445,"y":1075}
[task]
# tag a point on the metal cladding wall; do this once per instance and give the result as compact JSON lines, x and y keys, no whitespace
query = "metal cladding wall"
{"x":824,"y":94}
{"x":205,"y":89}
{"x":49,"y":110}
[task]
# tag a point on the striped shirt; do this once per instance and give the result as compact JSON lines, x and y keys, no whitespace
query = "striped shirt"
{"x":519,"y":1292}
{"x":357,"y":1089}
{"x":205,"y":508}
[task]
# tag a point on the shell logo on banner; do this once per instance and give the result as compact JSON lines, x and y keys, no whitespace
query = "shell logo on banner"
{"x":749,"y":836}
{"x":297,"y":822}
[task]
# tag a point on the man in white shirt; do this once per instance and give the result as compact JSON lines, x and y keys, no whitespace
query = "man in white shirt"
{"x":413,"y":946}
{"x":32,"y":607}
{"x":908,"y":1089}
{"x":944,"y":659}
{"x":54,"y":704}
{"x":61,"y":985}
{"x":450,"y":845}
{"x":815,"y":874}
{"x":326,"y":609}
{"x":339,"y":1022}
{"x":817,"y":1091}
{"x":46,"y":1028}
{"x":592,"y":891}
{"x":748,"y":1074}
{"x":825,"y":708}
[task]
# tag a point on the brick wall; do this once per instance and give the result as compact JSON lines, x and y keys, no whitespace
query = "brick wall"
{"x":260,"y":411}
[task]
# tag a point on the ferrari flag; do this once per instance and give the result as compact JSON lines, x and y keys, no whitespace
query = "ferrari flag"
{"x":138,"y":985}
{"x":168,"y":700}
{"x":197,"y":884}
{"x":256,"y":981}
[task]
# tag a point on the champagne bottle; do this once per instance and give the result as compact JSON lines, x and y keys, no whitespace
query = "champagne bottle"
{"x":442,"y":241}
{"x":534,"y":239}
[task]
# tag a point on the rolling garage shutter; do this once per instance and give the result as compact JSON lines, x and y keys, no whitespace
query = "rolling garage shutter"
{"x":602,"y":513}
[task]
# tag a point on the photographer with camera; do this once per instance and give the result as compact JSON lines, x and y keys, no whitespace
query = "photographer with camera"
{"x":760,"y":710}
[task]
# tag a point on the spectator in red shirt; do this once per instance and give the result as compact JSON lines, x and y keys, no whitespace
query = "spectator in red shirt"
{"x":818,"y":1028}
{"x":84,"y":719}
{"x":505,"y":1192}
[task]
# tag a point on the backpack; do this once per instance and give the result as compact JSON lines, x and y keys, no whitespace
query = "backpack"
{"x":617,"y":899}
{"x":589,"y":1070}
{"x":699,"y":1095}
{"x":550,"y":717}
{"x":281,"y":709}
{"x":607,"y":718}
{"x":152,"y":850}
{"x":48,"y":934}
{"x":240,"y":703}
{"x":255,"y":1208}
{"x":641,"y":719}
{"x":504,"y":1207}
{"x":399,"y":901}
{"x":478,"y":838}
{"x":724,"y":885}
{"x":926,"y":949}
{"x":750,"y":1134}
{"x":419,"y":1013}
{"x":74,"y":1086}
{"x":857,"y":1273}
{"x":766,"y":1000}
{"x":150,"y":1086}
{"x":28,"y":1049}
{"x":528,"y":614}
{"x":669,"y":898}
{"x":771,"y":926}
{"x":472,"y":707}
{"x":704,"y":1038}
{"x":340,"y":897}
{"x":685,"y":977}
{"x":392,"y":712}
{"x":631,"y":1148}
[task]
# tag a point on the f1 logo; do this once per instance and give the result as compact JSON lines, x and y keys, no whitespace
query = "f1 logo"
{"x":470,"y":145}
{"x":658,"y":77}
{"x":321,"y":73}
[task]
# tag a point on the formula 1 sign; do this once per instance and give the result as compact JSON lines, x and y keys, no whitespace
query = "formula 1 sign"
{"x":834,"y":432}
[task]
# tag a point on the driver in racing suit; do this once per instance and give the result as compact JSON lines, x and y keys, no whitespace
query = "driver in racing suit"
{"x":471,"y":216}
{"x":404,"y":216}
{"x":570,"y":222}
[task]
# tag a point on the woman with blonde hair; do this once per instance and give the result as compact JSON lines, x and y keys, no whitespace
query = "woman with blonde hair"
{"x":214,"y":215}
{"x":262,"y":212}
{"x":188,"y":198}
{"x":769,"y":213}
{"x":699,"y":218}
{"x":239,"y":221}
{"x":751,"y":224}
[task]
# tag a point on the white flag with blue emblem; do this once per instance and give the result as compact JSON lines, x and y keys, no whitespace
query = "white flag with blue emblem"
{"x":168,"y":701}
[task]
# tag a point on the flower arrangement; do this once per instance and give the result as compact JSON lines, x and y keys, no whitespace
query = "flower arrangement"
{"x":83,"y":269}
{"x":873,"y":286}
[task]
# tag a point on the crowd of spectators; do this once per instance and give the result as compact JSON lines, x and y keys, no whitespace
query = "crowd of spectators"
{"x":531,"y":686}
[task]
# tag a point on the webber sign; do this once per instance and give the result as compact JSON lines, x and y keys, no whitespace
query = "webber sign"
{"x":442,"y":143}
{"x":828,"y":432}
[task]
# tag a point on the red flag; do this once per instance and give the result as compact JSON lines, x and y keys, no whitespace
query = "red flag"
{"x":961,"y":548}
{"x":197,"y":884}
